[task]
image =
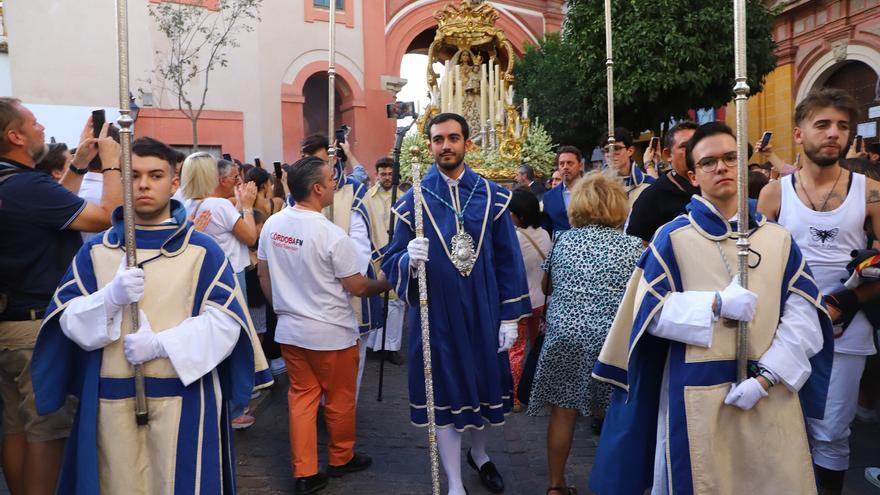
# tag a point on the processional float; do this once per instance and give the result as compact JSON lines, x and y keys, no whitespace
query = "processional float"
{"x":477,"y":80}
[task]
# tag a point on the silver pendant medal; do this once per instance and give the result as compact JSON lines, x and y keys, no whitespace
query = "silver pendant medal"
{"x":464,"y":253}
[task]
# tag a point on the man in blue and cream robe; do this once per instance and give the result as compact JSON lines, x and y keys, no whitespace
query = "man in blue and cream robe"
{"x":676,"y":423}
{"x":197,"y":346}
{"x":473,"y":306}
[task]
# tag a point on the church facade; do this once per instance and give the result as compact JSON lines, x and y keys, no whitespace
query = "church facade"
{"x":819,"y":43}
{"x":273,"y":91}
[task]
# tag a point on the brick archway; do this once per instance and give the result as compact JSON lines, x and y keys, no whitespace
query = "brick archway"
{"x":351,"y":106}
{"x":402,"y":31}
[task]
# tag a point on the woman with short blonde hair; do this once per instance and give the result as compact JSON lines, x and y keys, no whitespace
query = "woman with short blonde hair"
{"x":586,"y":271}
{"x":597,"y":199}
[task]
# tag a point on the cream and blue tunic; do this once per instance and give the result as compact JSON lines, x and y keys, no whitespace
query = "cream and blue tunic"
{"x":472,"y":380}
{"x":678,"y":390}
{"x":187,"y":446}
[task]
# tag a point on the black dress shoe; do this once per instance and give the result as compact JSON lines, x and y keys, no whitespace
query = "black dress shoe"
{"x":311,"y":484}
{"x":489,"y":475}
{"x":394,"y":358}
{"x":357,"y":463}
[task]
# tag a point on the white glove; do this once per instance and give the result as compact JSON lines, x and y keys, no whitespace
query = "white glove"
{"x":417,"y":249}
{"x":746,"y":394}
{"x":507,"y":335}
{"x":126,"y":287}
{"x":143,"y":345}
{"x":738,"y":303}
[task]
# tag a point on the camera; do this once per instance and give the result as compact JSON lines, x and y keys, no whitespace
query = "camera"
{"x":401,"y":109}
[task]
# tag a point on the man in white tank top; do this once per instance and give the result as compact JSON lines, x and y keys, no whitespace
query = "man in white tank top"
{"x":825,"y":208}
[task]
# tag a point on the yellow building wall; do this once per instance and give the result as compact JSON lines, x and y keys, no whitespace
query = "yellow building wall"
{"x":772,"y":110}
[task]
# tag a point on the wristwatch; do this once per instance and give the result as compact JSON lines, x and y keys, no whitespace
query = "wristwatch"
{"x":78,"y":171}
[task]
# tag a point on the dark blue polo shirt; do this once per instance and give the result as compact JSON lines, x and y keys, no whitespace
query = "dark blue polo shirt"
{"x":36,"y":246}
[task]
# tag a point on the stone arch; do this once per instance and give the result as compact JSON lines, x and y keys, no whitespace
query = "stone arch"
{"x":418,"y":16}
{"x":826,"y":63}
{"x":351,"y":102}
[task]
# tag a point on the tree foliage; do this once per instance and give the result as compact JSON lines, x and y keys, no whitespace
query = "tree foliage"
{"x":199,"y":39}
{"x":669,"y":56}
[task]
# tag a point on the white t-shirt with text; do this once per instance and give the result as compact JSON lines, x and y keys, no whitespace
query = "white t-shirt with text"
{"x":307,"y":255}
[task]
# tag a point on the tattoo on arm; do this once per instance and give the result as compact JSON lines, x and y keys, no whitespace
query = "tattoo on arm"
{"x":873,"y":196}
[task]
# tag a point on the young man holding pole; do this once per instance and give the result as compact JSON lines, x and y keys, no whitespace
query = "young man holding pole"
{"x":195,"y":344}
{"x":476,"y":294}
{"x":678,"y":422}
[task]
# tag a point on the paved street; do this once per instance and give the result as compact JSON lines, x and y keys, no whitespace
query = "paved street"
{"x":400,"y":455}
{"x":399,"y":450}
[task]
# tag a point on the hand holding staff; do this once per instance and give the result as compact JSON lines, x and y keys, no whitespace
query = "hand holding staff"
{"x":741,"y":89}
{"x":423,"y":319}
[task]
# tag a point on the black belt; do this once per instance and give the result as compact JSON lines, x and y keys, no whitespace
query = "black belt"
{"x":23,"y":315}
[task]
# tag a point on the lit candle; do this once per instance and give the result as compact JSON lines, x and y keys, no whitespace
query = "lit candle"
{"x":490,"y":96}
{"x":484,"y":100}
{"x":499,"y":83}
{"x":447,"y":87}
{"x":459,"y":91}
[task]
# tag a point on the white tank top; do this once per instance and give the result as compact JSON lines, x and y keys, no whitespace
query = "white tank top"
{"x":826,"y":239}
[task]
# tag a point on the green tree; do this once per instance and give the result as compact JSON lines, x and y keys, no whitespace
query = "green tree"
{"x":547,"y":76}
{"x":199,"y":38}
{"x":669,"y":56}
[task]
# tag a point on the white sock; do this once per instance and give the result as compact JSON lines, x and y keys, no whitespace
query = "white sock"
{"x":449,"y":445}
{"x":479,"y":439}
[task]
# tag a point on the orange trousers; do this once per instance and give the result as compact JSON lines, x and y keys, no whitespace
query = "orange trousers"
{"x":312,"y":374}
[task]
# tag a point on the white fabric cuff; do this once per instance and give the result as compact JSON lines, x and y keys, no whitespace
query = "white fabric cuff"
{"x":798,"y":338}
{"x":92,"y":322}
{"x":687,"y":317}
{"x":200,"y":343}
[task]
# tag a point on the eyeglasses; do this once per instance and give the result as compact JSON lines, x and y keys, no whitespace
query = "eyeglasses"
{"x":710,"y":163}
{"x":233,"y":178}
{"x":617,"y":148}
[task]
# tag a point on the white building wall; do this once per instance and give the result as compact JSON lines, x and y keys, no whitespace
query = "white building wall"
{"x":64,"y":52}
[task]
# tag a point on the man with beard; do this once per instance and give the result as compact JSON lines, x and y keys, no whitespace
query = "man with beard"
{"x":194,"y":341}
{"x":568,"y":162}
{"x":378,"y":200}
{"x":477,"y":292}
{"x":825,"y":208}
{"x":40,"y":221}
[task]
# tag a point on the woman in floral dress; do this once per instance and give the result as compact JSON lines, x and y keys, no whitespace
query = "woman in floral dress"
{"x":587,"y":271}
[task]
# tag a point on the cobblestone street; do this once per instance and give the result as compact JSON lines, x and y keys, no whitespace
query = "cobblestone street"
{"x":400,"y":456}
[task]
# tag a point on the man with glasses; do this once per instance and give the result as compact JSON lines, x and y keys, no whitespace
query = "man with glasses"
{"x":671,"y":352}
{"x":635,"y":181}
{"x":230,"y":178}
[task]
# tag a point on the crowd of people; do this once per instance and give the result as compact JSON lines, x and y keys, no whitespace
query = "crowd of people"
{"x":612,"y":294}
